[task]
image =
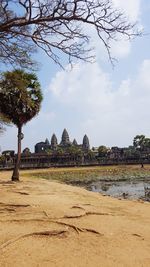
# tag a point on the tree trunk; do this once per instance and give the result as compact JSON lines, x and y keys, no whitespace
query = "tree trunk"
{"x":15,"y":176}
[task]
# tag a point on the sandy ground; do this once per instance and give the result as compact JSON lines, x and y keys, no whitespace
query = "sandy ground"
{"x":44,"y":223}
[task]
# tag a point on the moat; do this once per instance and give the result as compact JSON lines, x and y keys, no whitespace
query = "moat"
{"x":122,"y":189}
{"x":128,"y":182}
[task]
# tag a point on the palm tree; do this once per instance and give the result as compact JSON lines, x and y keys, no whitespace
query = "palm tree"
{"x":3,"y":122}
{"x":20,"y":101}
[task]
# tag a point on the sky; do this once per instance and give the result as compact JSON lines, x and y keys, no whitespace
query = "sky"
{"x":110,"y":105}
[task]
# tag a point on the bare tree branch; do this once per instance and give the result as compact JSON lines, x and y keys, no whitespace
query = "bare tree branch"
{"x":57,"y":26}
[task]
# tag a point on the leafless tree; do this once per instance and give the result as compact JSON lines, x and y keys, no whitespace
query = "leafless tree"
{"x":57,"y":26}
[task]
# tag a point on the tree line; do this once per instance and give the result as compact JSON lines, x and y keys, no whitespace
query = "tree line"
{"x":141,"y":144}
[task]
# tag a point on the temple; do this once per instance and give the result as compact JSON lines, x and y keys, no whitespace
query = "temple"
{"x":64,"y":143}
{"x":70,"y":153}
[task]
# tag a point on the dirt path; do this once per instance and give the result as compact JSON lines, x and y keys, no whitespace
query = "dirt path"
{"x":44,"y":223}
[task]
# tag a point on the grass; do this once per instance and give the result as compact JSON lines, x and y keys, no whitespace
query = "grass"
{"x":86,"y":175}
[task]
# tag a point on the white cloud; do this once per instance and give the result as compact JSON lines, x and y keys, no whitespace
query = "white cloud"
{"x":108,"y":115}
{"x":144,"y":74}
{"x":120,"y":48}
{"x":43,"y":117}
{"x":130,"y":7}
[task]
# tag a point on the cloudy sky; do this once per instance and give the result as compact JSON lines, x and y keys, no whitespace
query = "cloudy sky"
{"x":110,"y":105}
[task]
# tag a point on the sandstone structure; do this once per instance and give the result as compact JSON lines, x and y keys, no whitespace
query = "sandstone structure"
{"x":64,"y":143}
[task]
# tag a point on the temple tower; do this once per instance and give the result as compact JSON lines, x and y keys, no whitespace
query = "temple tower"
{"x":47,"y":142}
{"x":54,"y":142}
{"x":86,"y":144}
{"x":65,"y":138}
{"x":74,"y":142}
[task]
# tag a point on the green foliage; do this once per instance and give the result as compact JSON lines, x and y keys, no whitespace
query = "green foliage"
{"x":90,"y":153}
{"x":20,"y":96}
{"x":146,"y":143}
{"x":138,"y":140}
{"x":129,"y":152}
{"x":2,"y":159}
{"x":60,"y":151}
{"x":49,"y":151}
{"x":102,"y":151}
{"x":26,"y":151}
{"x":73,"y":150}
{"x":3,"y":122}
{"x":141,"y":142}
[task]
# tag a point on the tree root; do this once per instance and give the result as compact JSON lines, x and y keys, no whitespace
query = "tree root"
{"x":22,"y":193}
{"x":7,"y":209}
{"x":138,"y":236}
{"x":80,"y":215}
{"x":86,"y":214}
{"x":11,"y":207}
{"x":77,"y":207}
{"x":43,"y":233}
{"x":15,"y":205}
{"x":55,"y":220}
{"x":19,"y":205}
{"x":76,"y":228}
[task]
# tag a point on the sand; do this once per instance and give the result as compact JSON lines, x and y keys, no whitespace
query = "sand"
{"x":45,"y":223}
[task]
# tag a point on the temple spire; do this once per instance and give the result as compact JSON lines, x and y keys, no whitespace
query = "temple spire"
{"x":86,"y":144}
{"x":46,"y":141}
{"x":54,"y":142}
{"x":65,"y":138}
{"x":74,"y":142}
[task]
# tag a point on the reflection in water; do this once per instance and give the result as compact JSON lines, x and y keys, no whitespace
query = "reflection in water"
{"x":127,"y":189}
{"x":105,"y":187}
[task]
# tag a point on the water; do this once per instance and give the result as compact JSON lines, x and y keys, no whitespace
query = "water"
{"x":127,"y":189}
